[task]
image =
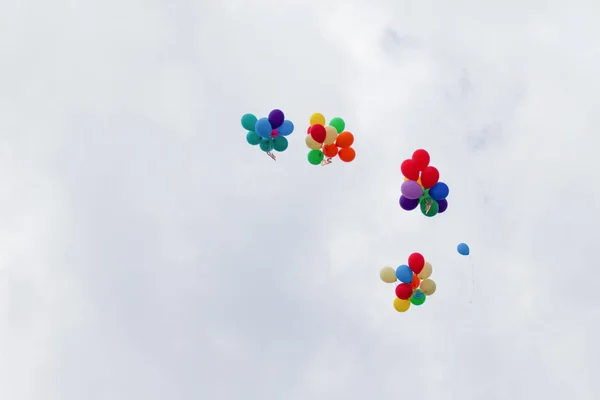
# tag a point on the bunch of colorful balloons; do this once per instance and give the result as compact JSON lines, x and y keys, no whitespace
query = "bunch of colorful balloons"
{"x":422,"y":186}
{"x":328,"y":141}
{"x":269,"y":133}
{"x":415,"y":284}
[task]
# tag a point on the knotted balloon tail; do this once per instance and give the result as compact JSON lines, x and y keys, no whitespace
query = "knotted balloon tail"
{"x":270,"y":154}
{"x":428,"y":205}
{"x":326,"y":162}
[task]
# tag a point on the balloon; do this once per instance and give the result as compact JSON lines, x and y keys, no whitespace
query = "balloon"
{"x":331,"y":135}
{"x":428,"y":286}
{"x":315,"y":157}
{"x":286,"y":128}
{"x":443,"y":205}
{"x":426,"y":271}
{"x":263,"y":128}
{"x":311,"y":143}
{"x":338,"y":124}
{"x":266,"y":144}
{"x":274,"y":133}
{"x":276,"y":118}
{"x":308,"y":130}
{"x":421,"y":159}
{"x":344,"y":140}
{"x":330,"y":150}
{"x":317,"y":118}
{"x":429,"y":207}
{"x":416,"y":262}
{"x":404,"y":274}
{"x":253,"y":138}
{"x":401,"y":305}
{"x":419,"y":182}
{"x":411,"y":190}
{"x":408,"y":204}
{"x":387,"y":274}
{"x":409,"y":170}
{"x":318,"y":133}
{"x":347,"y":155}
{"x":439,"y":191}
{"x":418,"y":298}
{"x":430,"y":177}
{"x":404,"y":291}
{"x":249,"y":122}
{"x":463,"y":249}
{"x":415,"y":282}
{"x":280,"y":143}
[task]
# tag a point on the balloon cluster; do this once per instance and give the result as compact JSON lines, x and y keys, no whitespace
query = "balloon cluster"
{"x":422,"y":186}
{"x":414,"y":286}
{"x":328,"y":141}
{"x":269,"y":133}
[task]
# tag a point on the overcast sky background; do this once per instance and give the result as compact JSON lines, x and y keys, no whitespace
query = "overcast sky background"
{"x":148,"y":252}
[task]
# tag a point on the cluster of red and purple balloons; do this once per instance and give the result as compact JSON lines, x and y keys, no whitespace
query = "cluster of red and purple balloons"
{"x":422,"y":186}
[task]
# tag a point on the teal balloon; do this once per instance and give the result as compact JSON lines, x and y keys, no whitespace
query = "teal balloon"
{"x":253,"y":138}
{"x":249,"y":121}
{"x":463,"y":249}
{"x":280,"y":143}
{"x":404,"y":274}
{"x":266,"y":144}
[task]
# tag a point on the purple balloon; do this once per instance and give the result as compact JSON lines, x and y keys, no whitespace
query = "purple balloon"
{"x":443,"y":204}
{"x":411,"y":190}
{"x":276,"y":118}
{"x":408,"y":204}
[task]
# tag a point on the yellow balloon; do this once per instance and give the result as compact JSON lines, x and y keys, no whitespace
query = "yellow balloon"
{"x":426,"y":271}
{"x":312,"y":143}
{"x":387,"y":274}
{"x":428,"y":286}
{"x":401,"y":305}
{"x":331,"y":134}
{"x":405,"y":179}
{"x":317,"y":118}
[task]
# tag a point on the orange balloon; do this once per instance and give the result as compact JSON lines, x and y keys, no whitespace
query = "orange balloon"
{"x":344,"y":140}
{"x":419,"y":181}
{"x":347,"y":154}
{"x":330,"y":150}
{"x":416,"y":282}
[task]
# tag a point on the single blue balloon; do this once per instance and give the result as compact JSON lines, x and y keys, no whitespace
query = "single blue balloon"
{"x":463,"y":249}
{"x":286,"y":128}
{"x":439,"y":191}
{"x":263,"y":128}
{"x":404,"y":274}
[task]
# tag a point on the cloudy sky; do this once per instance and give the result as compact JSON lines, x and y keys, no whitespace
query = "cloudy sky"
{"x":148,"y":252}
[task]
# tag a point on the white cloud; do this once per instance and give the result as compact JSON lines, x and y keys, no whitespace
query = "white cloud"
{"x":148,"y":251}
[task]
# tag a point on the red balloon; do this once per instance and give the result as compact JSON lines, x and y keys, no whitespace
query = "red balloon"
{"x":318,"y":133}
{"x":274,"y":133}
{"x":308,"y":130}
{"x":404,"y":291}
{"x":416,"y":262}
{"x":429,"y":177}
{"x":421,"y":159}
{"x":409,"y":170}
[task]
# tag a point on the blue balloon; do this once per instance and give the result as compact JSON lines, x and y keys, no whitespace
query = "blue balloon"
{"x":463,"y":249}
{"x":404,"y":274}
{"x":286,"y":128}
{"x":263,"y":128}
{"x":439,"y":191}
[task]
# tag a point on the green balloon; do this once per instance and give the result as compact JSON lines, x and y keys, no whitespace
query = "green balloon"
{"x":426,"y":201}
{"x":266,"y":144}
{"x":338,"y":124}
{"x":315,"y":157}
{"x":280,"y":143}
{"x":253,"y":138}
{"x":418,"y":298}
{"x":249,"y":121}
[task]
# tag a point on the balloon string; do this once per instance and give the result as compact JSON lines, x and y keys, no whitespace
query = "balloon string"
{"x":271,"y":155}
{"x":472,"y":279}
{"x":326,"y":162}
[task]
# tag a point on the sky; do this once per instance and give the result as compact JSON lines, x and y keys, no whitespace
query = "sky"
{"x":148,"y":252}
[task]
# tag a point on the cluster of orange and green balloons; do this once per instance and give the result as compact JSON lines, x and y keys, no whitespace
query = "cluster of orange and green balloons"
{"x":326,"y":141}
{"x":415,"y":284}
